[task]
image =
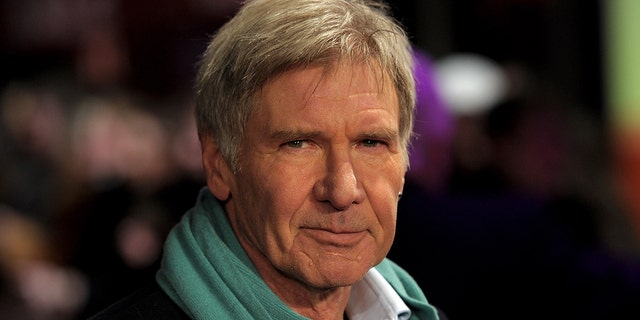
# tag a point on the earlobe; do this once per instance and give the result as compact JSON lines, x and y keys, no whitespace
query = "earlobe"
{"x":216,"y":168}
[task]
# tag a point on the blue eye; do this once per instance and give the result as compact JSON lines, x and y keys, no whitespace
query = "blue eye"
{"x":295,"y":144}
{"x":371,"y":143}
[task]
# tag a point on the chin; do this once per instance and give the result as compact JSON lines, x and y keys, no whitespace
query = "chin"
{"x":342,"y":275}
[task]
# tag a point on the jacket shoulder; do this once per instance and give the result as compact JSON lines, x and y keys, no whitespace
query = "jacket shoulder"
{"x":149,"y":302}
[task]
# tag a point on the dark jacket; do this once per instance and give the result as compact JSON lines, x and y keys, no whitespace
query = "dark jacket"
{"x":149,"y":302}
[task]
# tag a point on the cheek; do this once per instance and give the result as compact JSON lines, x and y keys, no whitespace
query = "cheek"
{"x":269,"y":203}
{"x":384,"y":183}
{"x":283,"y":193}
{"x":386,"y":208}
{"x":382,"y":189}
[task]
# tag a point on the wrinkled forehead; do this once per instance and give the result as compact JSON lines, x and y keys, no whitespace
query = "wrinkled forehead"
{"x":326,"y":72}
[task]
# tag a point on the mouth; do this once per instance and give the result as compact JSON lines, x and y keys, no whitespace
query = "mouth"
{"x":334,"y":238}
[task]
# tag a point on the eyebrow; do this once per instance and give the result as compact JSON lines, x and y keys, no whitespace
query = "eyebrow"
{"x":380,"y":134}
{"x":294,"y":134}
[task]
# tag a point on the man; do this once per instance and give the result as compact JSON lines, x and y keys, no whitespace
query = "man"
{"x":305,"y":111}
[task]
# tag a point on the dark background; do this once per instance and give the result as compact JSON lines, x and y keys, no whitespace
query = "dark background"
{"x":482,"y":247}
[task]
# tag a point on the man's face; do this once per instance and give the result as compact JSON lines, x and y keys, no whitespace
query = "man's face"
{"x":321,"y":166}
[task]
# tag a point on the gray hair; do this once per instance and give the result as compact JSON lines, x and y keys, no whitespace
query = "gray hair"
{"x":269,"y":37}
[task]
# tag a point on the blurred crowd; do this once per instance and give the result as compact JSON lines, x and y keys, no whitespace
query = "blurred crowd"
{"x":508,"y":205}
{"x":510,"y":208}
{"x":89,"y":188}
{"x":99,"y":155}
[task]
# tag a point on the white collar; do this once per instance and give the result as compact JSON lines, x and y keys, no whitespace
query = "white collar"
{"x":374,"y":298}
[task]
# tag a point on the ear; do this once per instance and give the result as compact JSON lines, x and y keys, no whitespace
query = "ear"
{"x":218,"y":173}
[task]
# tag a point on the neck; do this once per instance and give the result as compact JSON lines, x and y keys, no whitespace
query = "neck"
{"x":313,"y":303}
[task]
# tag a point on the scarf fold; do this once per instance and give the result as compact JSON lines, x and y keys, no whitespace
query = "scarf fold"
{"x":207,"y":273}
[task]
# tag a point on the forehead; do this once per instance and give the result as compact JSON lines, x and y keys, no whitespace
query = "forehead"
{"x":337,"y":81}
{"x":352,"y":99}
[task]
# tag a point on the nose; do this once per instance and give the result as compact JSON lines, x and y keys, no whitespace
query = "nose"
{"x":339,"y":185}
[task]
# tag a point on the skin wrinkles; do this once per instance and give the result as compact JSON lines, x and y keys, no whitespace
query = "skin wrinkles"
{"x":314,"y":204}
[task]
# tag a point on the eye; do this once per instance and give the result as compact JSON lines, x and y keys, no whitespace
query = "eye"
{"x":296,"y":144}
{"x":371,"y":143}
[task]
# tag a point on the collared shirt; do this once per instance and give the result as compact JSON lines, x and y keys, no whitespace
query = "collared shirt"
{"x":374,"y":298}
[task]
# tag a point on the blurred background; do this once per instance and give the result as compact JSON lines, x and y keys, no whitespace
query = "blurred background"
{"x":521,"y":198}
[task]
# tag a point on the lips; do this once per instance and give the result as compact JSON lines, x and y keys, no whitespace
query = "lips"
{"x":334,"y":238}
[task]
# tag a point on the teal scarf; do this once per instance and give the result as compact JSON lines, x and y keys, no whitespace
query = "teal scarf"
{"x":207,"y":273}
